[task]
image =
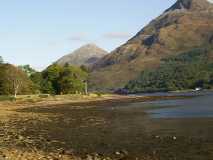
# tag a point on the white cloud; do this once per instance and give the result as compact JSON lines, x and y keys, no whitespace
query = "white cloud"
{"x":117,"y":35}
{"x":78,"y":37}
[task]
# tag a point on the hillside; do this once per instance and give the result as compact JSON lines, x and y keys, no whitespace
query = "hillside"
{"x":86,"y":55}
{"x":186,"y":25}
{"x":189,"y":70}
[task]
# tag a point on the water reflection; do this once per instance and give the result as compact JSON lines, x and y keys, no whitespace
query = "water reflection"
{"x":200,"y":106}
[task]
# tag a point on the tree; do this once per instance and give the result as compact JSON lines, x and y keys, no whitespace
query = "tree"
{"x":27,"y":69}
{"x":72,"y":79}
{"x":46,"y":87}
{"x":1,"y":60}
{"x":37,"y":79}
{"x":85,"y":68}
{"x":14,"y":81}
{"x":69,"y":85}
{"x":51,"y":76}
{"x":57,"y":79}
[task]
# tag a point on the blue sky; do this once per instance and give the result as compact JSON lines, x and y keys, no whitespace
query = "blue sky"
{"x":38,"y":32}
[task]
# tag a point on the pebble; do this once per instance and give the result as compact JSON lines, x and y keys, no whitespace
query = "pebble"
{"x":89,"y":157}
{"x":157,"y":137}
{"x":20,"y":137}
{"x":124,"y":152}
{"x":117,"y":153}
{"x":2,"y":157}
{"x":69,"y":152}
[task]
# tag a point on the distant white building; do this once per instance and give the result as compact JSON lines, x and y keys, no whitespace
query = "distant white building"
{"x":198,"y":89}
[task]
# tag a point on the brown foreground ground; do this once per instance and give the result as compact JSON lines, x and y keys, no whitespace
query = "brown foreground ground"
{"x":94,"y":128}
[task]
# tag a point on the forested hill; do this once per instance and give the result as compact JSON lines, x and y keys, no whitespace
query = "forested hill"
{"x":188,"y":70}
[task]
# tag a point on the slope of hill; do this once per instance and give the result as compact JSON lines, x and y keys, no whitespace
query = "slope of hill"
{"x":86,"y":55}
{"x":189,"y":70}
{"x":186,"y":25}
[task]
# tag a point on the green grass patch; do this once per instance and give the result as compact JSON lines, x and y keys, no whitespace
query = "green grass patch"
{"x":7,"y":98}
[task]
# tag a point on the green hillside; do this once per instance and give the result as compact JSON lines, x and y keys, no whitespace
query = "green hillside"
{"x":188,"y":70}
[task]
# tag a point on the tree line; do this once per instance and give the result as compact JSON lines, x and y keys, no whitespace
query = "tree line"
{"x":58,"y":79}
{"x":189,"y":70}
{"x":55,"y":79}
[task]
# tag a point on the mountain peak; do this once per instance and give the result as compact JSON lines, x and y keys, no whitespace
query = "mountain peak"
{"x":90,"y":45}
{"x":192,"y":5}
{"x":85,"y":55}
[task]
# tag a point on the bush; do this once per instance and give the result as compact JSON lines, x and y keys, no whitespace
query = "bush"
{"x":7,"y":98}
{"x":99,"y":94}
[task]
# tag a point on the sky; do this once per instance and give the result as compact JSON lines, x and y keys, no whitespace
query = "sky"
{"x":38,"y":32}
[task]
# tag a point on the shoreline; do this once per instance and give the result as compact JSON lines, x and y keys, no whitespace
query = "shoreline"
{"x":91,"y":128}
{"x":83,"y":100}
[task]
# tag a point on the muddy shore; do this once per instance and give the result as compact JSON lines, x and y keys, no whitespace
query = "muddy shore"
{"x":107,"y":128}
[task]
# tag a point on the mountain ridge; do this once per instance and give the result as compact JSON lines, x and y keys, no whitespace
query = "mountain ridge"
{"x":173,"y":32}
{"x":191,"y":5}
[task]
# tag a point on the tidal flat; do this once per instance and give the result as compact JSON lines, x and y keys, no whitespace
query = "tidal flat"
{"x":109,"y":129}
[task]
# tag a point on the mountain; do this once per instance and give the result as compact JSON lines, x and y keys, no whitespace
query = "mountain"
{"x":86,"y":55}
{"x":185,"y":25}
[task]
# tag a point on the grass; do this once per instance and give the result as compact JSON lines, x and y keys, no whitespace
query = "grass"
{"x":51,"y":98}
{"x":6,"y":98}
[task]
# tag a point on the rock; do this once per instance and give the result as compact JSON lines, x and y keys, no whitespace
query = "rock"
{"x":20,"y":137}
{"x":124,"y":152}
{"x":61,"y":151}
{"x":174,"y":138}
{"x":117,"y":153}
{"x":69,"y":152}
{"x":1,"y":135}
{"x":89,"y":157}
{"x":2,"y":158}
{"x":157,"y":137}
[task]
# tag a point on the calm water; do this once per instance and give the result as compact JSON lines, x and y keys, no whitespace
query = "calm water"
{"x":200,"y":106}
